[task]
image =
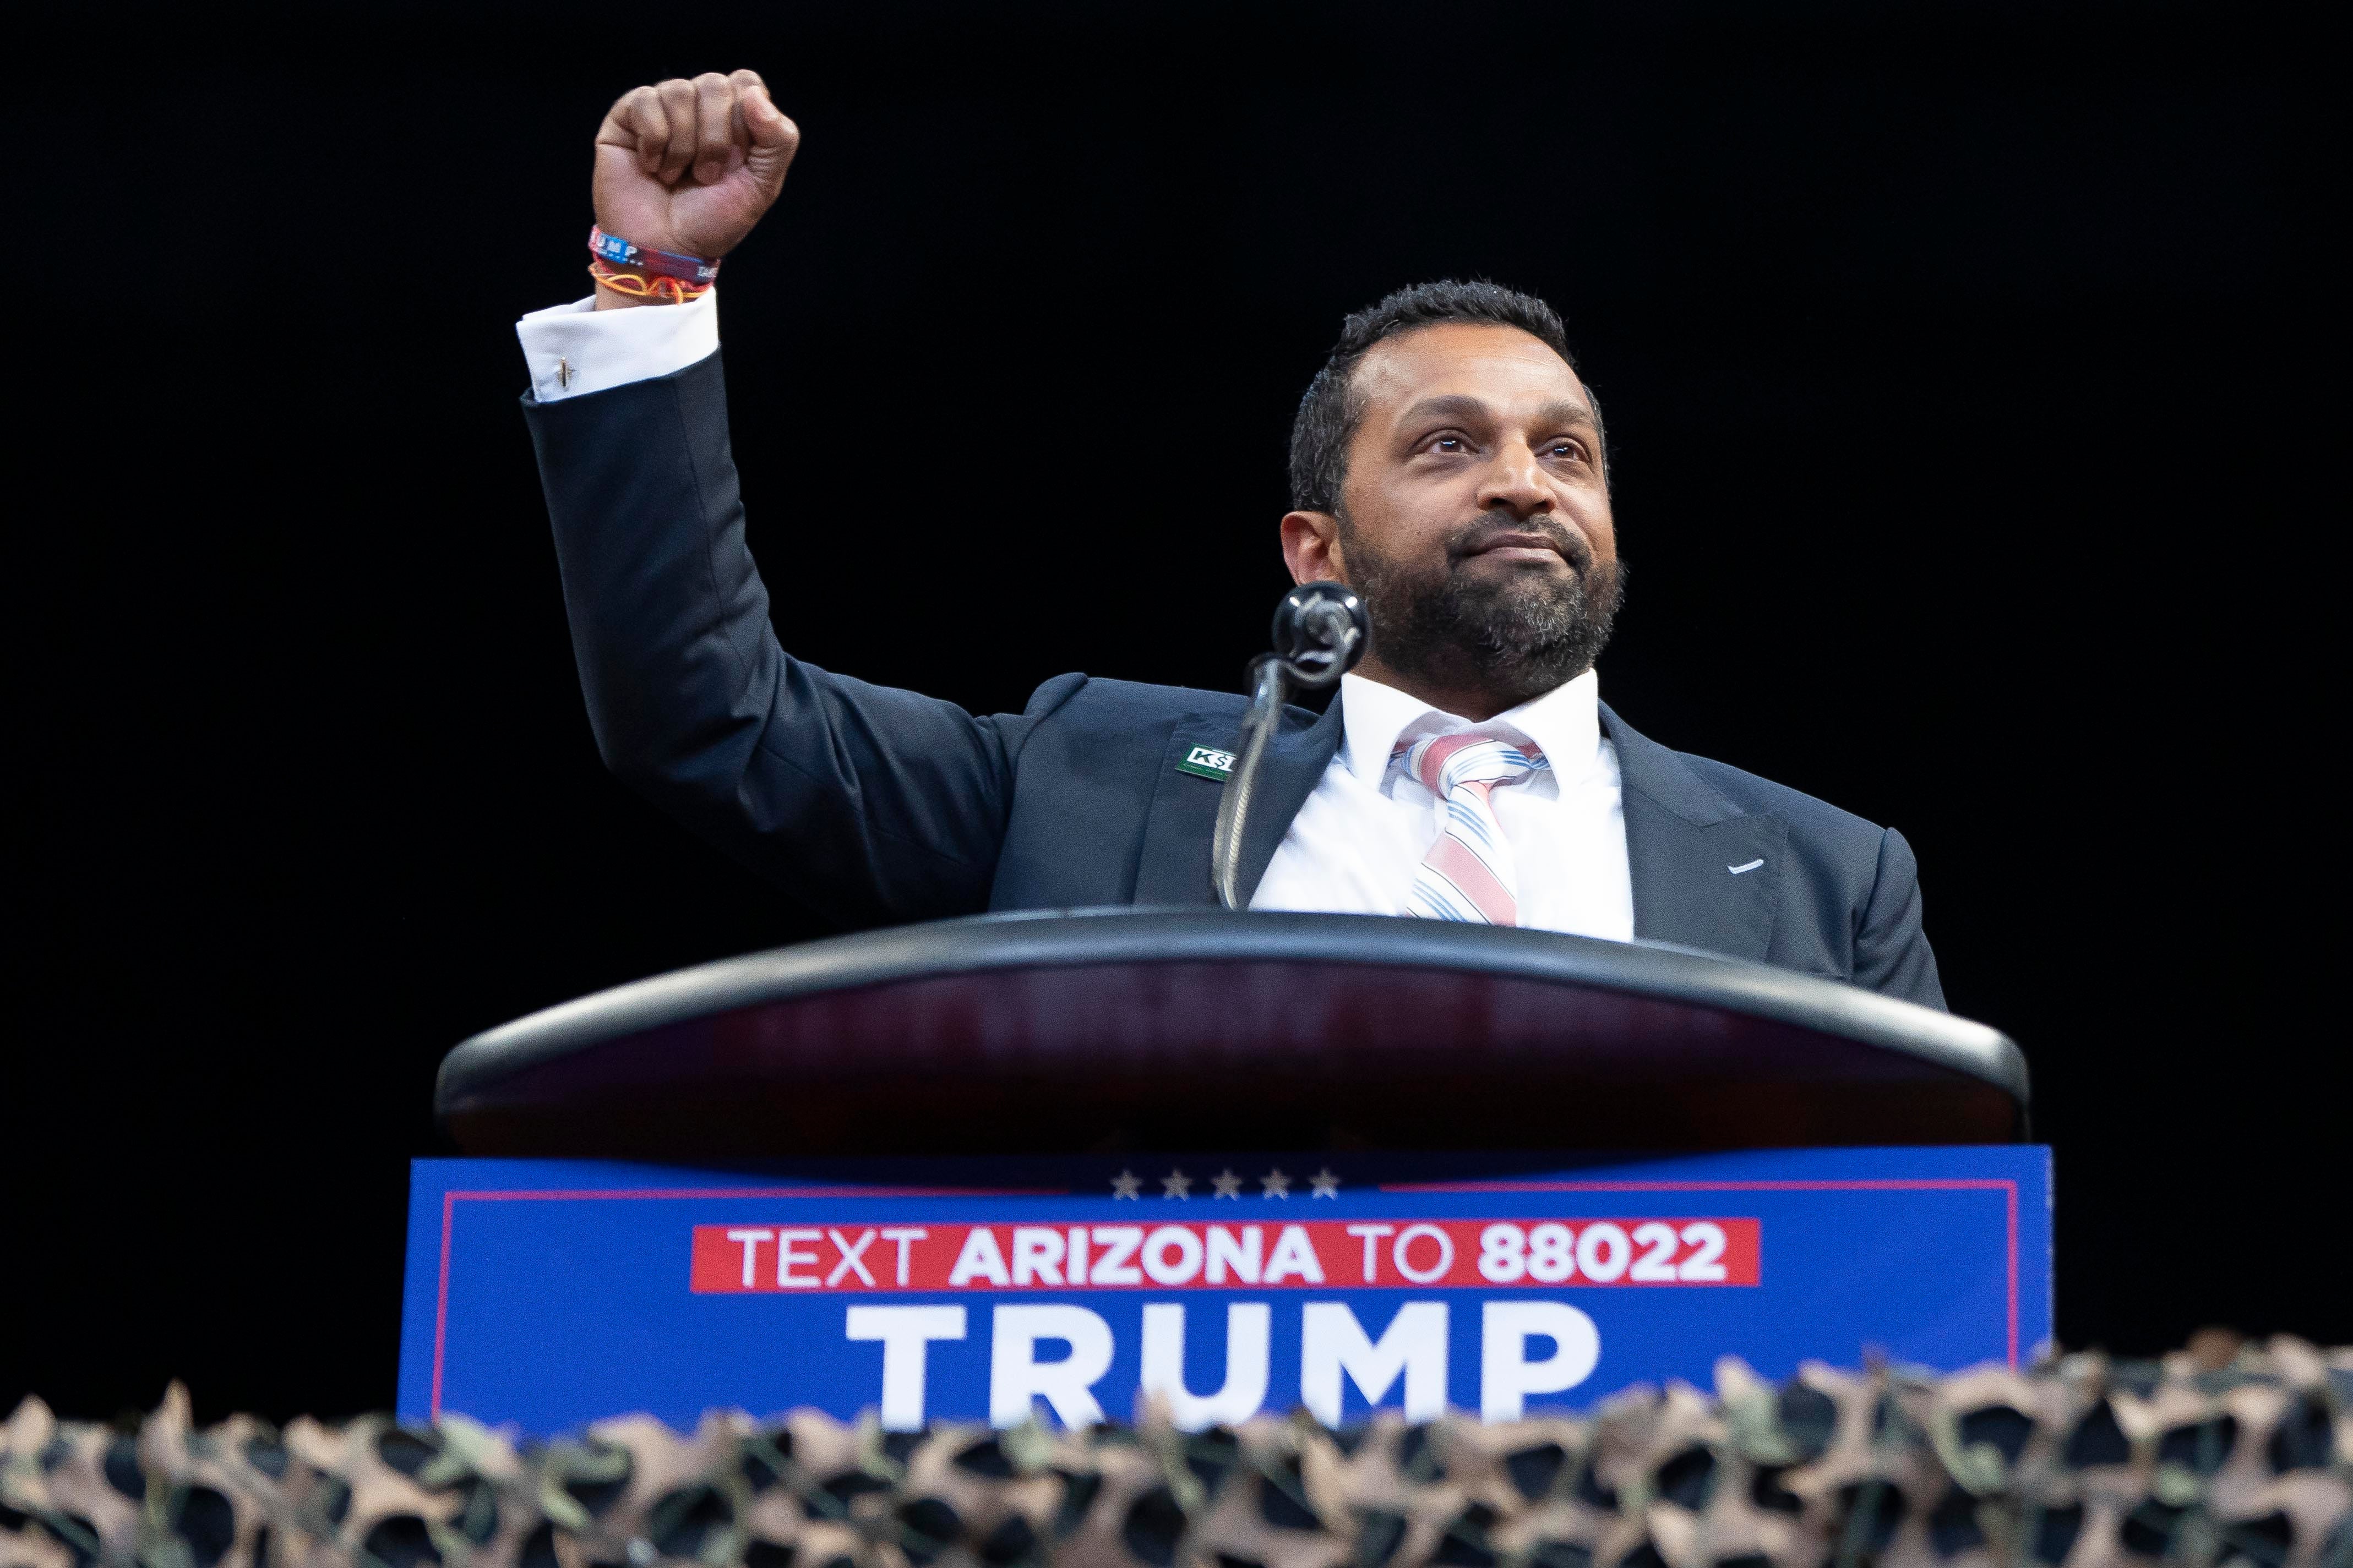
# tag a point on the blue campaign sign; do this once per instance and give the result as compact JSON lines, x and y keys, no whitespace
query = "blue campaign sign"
{"x":549,"y":1293}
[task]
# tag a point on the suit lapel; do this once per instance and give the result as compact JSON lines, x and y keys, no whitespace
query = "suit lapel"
{"x":1174,"y":865}
{"x":1694,"y":854}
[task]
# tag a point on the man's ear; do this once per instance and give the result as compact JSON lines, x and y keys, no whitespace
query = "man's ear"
{"x":1311,"y":547}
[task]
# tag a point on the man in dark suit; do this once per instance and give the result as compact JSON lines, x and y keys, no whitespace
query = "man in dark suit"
{"x":1447,"y":463}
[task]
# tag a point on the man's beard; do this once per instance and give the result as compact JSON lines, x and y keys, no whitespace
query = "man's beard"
{"x":1513,"y":634}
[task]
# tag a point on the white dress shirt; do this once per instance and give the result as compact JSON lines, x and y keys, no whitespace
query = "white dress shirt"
{"x":1356,"y":845}
{"x":576,"y":349}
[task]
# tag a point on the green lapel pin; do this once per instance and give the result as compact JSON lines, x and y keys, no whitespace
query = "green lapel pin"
{"x":1208,"y":763}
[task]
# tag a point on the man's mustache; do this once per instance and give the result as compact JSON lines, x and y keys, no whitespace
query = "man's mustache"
{"x":1482,"y":530}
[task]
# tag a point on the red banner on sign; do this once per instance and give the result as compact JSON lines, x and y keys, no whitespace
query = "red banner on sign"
{"x":749,"y":1259}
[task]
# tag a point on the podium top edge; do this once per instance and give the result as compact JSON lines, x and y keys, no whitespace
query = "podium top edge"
{"x":1064,"y":938}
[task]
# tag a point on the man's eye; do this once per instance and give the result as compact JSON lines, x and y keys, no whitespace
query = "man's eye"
{"x":1567,"y":449}
{"x":1446,"y":443}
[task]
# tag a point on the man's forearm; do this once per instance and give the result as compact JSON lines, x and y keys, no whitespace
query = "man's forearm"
{"x":871,"y":804}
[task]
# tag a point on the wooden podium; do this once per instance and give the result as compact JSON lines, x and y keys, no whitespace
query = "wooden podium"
{"x":1151,"y":1030}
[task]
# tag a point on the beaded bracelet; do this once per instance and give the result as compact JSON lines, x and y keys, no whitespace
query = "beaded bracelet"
{"x":670,"y":291}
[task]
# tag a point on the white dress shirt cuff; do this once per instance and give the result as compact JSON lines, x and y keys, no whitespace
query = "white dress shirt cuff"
{"x":573,"y":350}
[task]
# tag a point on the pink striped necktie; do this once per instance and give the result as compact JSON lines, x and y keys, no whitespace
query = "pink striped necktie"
{"x":1467,"y":874}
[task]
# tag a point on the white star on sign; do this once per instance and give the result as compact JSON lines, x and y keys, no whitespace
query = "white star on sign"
{"x":1276,"y":1183}
{"x":1325,"y":1184}
{"x":1229,"y":1185}
{"x":1125,"y":1185}
{"x":1176,"y":1184}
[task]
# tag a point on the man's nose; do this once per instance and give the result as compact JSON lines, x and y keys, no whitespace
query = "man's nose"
{"x":1515,"y":481}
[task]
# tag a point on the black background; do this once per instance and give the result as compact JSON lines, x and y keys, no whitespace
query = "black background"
{"x":1964,"y":456}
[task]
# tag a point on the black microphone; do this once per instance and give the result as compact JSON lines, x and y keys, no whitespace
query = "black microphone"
{"x":1320,"y":632}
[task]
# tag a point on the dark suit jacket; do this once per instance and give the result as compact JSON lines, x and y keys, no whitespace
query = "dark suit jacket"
{"x":877,"y":806}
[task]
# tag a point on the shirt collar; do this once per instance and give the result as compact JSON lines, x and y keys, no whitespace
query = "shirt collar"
{"x":1565,"y":722}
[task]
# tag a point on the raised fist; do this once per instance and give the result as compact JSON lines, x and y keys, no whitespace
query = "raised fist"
{"x":690,"y":167}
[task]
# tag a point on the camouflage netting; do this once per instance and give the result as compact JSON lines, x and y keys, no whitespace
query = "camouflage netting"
{"x":2242,"y":1458}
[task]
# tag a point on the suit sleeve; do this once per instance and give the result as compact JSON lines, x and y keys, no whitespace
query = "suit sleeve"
{"x":1891,"y":951}
{"x":871,"y":805}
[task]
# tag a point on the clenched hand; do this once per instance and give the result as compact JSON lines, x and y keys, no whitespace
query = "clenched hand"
{"x":690,"y":167}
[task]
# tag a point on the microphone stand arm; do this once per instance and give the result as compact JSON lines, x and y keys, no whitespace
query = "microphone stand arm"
{"x":1269,"y":686}
{"x":1320,"y":630}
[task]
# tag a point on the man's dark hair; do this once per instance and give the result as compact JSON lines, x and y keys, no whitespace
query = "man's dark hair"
{"x":1332,"y":409}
